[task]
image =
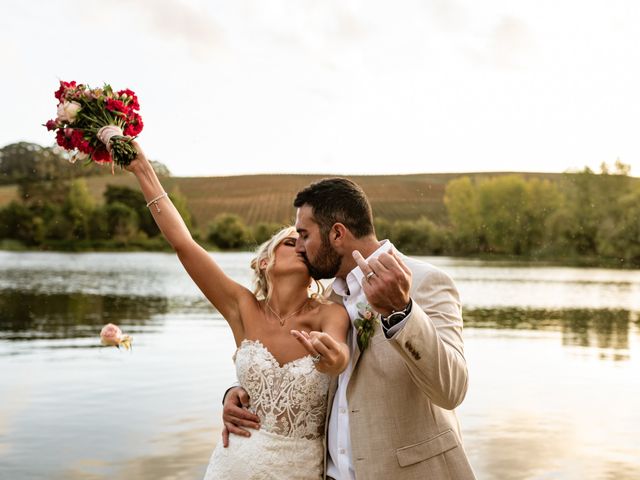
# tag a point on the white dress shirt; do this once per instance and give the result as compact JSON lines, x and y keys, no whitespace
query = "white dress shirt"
{"x":339,"y":460}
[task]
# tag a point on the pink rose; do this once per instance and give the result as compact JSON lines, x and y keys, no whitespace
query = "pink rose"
{"x":368,"y":314}
{"x":111,"y":335}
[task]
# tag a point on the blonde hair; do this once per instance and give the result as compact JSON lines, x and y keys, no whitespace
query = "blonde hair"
{"x":262,"y":287}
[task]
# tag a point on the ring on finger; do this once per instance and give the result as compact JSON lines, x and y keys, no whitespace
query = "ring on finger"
{"x":316,"y":358}
{"x":369,"y":275}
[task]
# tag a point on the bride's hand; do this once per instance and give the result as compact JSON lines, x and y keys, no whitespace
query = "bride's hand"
{"x":329,"y":355}
{"x":139,"y":162}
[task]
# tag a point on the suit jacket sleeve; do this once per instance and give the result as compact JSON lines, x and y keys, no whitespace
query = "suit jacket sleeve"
{"x":431,"y":344}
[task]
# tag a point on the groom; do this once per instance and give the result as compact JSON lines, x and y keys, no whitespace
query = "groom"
{"x":392,"y":409}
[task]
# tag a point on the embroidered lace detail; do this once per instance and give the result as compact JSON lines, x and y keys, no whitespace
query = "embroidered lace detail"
{"x":291,"y":400}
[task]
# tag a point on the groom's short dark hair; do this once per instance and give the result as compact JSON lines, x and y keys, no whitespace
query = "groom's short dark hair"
{"x":338,"y":200}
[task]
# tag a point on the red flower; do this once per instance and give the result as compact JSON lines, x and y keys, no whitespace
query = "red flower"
{"x":51,"y":125}
{"x":131,"y":99}
{"x":101,"y":156}
{"x":60,"y":138}
{"x":77,"y":137}
{"x":63,"y":138}
{"x":134,"y":125}
{"x":85,"y":147}
{"x":116,"y":106}
{"x":63,"y":89}
{"x":78,"y":141}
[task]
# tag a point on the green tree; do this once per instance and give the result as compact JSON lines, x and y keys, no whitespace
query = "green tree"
{"x":417,"y":237}
{"x":543,"y":201}
{"x":21,"y":161}
{"x":18,"y":222}
{"x":228,"y":231}
{"x":122,"y":222}
{"x":263,"y":231}
{"x":134,"y":199}
{"x":463,"y":207}
{"x":503,"y":203}
{"x":30,"y":162}
{"x":590,"y":211}
{"x":78,"y":209}
{"x":619,"y":234}
{"x":99,"y":224}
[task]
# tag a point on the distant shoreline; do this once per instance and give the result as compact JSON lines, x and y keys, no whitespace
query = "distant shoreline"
{"x":505,"y":260}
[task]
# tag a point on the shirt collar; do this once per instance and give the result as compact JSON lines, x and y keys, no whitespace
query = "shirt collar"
{"x":353,"y":281}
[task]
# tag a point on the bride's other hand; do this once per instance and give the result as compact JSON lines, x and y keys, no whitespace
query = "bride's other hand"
{"x":332,"y":356}
{"x":235,"y":415}
{"x":139,"y":161}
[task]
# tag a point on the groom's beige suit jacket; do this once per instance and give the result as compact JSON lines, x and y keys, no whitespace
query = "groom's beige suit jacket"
{"x":403,"y":391}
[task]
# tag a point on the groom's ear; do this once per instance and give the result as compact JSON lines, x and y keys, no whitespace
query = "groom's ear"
{"x":338,"y":234}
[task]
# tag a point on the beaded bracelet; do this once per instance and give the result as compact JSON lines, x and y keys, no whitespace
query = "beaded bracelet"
{"x":155,"y":201}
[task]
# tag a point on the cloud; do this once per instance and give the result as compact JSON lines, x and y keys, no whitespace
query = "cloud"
{"x":510,"y":42}
{"x":448,"y":14}
{"x":508,"y":45}
{"x":171,"y":20}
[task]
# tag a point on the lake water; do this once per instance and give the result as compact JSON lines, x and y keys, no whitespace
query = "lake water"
{"x":553,"y":355}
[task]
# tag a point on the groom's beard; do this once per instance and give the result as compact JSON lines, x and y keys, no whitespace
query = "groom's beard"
{"x":326,"y":264}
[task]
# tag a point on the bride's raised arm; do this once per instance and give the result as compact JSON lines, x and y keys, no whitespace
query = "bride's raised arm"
{"x":224,"y":293}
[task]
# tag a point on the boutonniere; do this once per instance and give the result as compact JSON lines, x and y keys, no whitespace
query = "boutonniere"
{"x":365,"y":324}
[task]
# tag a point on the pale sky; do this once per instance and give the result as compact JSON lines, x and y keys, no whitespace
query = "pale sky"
{"x":340,"y":86}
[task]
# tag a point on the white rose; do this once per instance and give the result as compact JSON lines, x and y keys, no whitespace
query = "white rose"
{"x":67,"y":111}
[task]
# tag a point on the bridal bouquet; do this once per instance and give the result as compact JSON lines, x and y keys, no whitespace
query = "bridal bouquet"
{"x":97,"y":124}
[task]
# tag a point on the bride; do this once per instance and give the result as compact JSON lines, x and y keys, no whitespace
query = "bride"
{"x":288,"y":344}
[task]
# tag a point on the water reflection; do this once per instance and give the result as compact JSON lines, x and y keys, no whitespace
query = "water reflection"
{"x":541,"y":402}
{"x":27,"y":315}
{"x":515,"y":453}
{"x":177,"y":455}
{"x":601,"y":328}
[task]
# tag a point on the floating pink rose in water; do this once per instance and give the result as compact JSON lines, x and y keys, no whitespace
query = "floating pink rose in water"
{"x":112,"y":336}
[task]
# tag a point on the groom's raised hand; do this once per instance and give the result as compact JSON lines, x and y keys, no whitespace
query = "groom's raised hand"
{"x":386,"y":282}
{"x":235,"y":415}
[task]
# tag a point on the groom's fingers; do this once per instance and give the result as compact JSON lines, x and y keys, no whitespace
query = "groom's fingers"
{"x":225,"y":437}
{"x":242,"y":415}
{"x":238,"y":422}
{"x":377,"y":266}
{"x":403,"y":266}
{"x":231,"y":428}
{"x":362,"y":263}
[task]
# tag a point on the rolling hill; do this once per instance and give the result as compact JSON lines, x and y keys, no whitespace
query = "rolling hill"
{"x":268,"y":198}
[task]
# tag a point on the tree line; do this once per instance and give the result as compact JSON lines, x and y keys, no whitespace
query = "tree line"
{"x":585,"y":216}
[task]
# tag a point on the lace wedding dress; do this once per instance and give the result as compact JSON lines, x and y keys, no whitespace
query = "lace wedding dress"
{"x":291,"y":401}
